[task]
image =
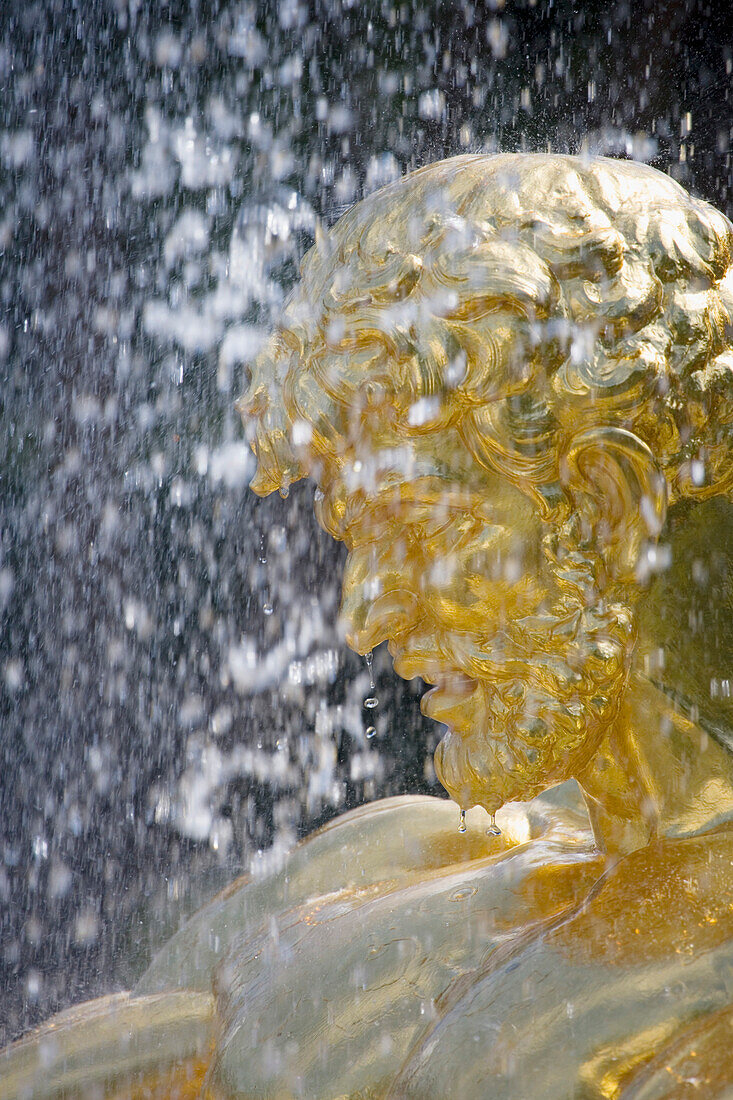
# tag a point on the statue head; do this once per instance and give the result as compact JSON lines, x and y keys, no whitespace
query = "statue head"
{"x":500,"y":370}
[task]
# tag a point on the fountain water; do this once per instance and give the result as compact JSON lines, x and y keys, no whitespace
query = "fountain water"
{"x":502,"y":541}
{"x":160,"y":733}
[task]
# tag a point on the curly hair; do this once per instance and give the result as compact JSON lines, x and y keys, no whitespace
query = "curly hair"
{"x":523,"y":299}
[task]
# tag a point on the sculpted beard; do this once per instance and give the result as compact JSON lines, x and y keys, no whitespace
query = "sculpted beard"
{"x":538,"y":711}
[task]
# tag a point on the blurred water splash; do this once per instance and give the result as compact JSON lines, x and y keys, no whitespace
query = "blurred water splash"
{"x":162,"y":175}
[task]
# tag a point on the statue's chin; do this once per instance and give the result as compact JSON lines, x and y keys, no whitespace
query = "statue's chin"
{"x":485,"y":771}
{"x":473,"y":776}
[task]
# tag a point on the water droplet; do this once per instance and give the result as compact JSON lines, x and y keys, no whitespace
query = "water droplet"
{"x":370,"y":732}
{"x":463,"y":893}
{"x":371,"y":701}
{"x":267,"y":608}
{"x":493,"y":829}
{"x":462,"y":827}
{"x":262,"y":554}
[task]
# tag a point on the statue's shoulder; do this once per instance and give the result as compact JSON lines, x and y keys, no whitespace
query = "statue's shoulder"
{"x":378,"y":849}
{"x":671,"y":897}
{"x":367,"y":926}
{"x":385,"y":910}
{"x":632,"y":976}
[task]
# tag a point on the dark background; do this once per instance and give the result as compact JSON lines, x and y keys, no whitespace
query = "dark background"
{"x":127,"y":573}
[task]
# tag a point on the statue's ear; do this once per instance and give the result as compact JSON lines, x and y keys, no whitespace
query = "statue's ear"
{"x":618,"y":492}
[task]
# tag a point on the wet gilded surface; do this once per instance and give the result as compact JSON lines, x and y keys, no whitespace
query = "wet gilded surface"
{"x":511,"y":378}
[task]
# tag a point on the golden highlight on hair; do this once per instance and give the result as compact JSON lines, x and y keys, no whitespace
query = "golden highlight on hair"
{"x":531,"y":297}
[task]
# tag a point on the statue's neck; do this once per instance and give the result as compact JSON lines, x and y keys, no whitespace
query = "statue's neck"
{"x":657,"y":774}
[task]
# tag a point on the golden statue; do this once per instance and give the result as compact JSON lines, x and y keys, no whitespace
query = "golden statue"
{"x":512,"y":379}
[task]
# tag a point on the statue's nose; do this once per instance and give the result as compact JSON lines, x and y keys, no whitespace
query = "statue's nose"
{"x":371,"y":621}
